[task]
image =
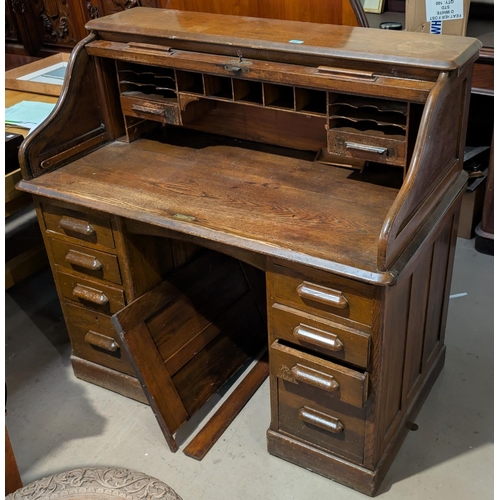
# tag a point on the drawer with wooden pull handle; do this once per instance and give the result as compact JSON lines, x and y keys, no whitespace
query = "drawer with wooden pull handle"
{"x":320,"y":421}
{"x":326,"y":378}
{"x":325,"y":337}
{"x":161,"y":111}
{"x":101,"y":341}
{"x":323,"y":294}
{"x":97,"y":296}
{"x":94,"y":338}
{"x":85,"y":228}
{"x":87,"y":261}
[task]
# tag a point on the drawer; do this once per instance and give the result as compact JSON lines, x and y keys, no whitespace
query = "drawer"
{"x":309,"y":332}
{"x":333,"y":426}
{"x":82,"y":227}
{"x":93,"y":295}
{"x":93,"y":338}
{"x":86,"y":261}
{"x":368,"y":147}
{"x":325,"y":379}
{"x":160,"y":110}
{"x":324,"y":294}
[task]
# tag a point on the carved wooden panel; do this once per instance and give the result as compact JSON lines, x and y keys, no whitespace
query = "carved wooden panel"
{"x":55,"y":22}
{"x":11,"y":32}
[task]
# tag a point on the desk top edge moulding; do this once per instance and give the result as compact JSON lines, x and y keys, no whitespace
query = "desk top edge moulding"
{"x":252,"y":175}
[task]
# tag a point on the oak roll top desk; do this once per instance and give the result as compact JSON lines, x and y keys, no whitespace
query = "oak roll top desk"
{"x":208,"y":182}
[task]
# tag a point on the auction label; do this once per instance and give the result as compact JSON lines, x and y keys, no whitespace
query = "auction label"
{"x":444,"y":10}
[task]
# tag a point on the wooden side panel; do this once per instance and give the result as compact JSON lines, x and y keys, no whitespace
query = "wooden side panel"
{"x":411,"y":349}
{"x":54,"y":143}
{"x":436,"y":164}
{"x":394,"y":343}
{"x":436,"y":294}
{"x":416,"y":325}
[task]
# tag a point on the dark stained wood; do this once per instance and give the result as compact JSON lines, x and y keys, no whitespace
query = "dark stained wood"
{"x":203,"y":442}
{"x":200,"y":378}
{"x":110,"y":379}
{"x":349,"y":443}
{"x":97,"y":296}
{"x":80,"y":322}
{"x":332,"y":380}
{"x":436,"y":297}
{"x":297,"y":197}
{"x":86,"y":261}
{"x":81,"y":227}
{"x":384,"y":84}
{"x":284,"y":322}
{"x":358,"y":297}
{"x":432,"y":170}
{"x":188,"y":335}
{"x":325,"y":40}
{"x":57,"y":137}
{"x":155,"y":381}
{"x":358,"y":261}
{"x":416,"y":324}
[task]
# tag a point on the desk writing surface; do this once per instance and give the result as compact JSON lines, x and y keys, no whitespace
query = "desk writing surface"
{"x":250,"y":199}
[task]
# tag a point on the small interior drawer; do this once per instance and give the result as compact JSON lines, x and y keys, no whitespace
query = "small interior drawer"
{"x":323,"y":378}
{"x":86,"y":261}
{"x":93,"y":295}
{"x":82,"y":227}
{"x":94,"y":338}
{"x":310,"y":332}
{"x":159,"y":109}
{"x":333,"y":426}
{"x":363,"y":146}
{"x":324,"y":294}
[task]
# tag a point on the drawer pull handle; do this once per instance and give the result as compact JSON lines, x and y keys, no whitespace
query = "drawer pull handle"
{"x":83,"y":260}
{"x":366,"y":148}
{"x":346,"y":73}
{"x":76,"y":226}
{"x":90,"y":294}
{"x":323,"y":295}
{"x":315,"y":378}
{"x":317,"y":337}
{"x":102,"y":341}
{"x":321,"y":420}
{"x":138,"y":46}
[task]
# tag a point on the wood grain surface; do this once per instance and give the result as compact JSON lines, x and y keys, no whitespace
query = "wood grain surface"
{"x":390,"y":47}
{"x":274,"y":204}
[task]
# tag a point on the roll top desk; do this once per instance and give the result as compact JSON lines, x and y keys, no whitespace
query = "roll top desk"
{"x":208,"y":182}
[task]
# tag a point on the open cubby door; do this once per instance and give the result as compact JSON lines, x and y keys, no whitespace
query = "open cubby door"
{"x":190,"y":334}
